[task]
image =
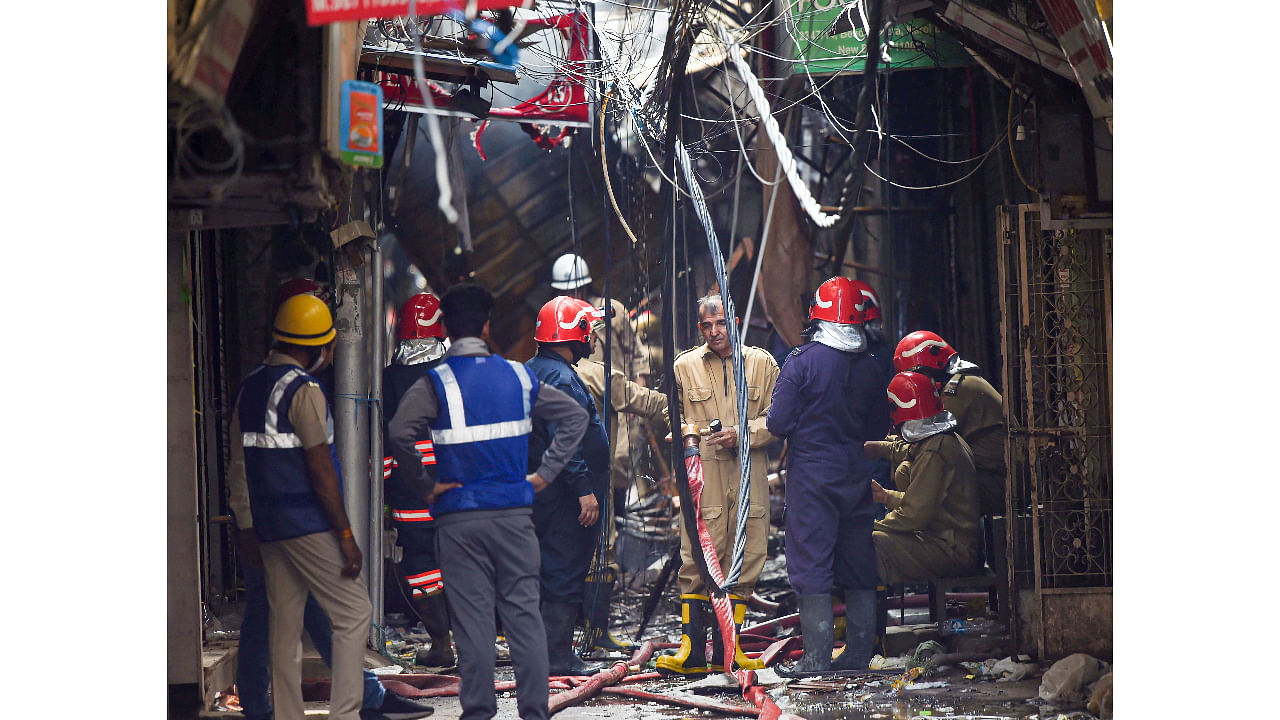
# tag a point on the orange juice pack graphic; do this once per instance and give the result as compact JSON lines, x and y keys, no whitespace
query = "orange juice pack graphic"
{"x":360,"y":129}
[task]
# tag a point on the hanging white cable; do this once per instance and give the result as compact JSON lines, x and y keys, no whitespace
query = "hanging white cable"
{"x":445,"y":201}
{"x":785,"y":158}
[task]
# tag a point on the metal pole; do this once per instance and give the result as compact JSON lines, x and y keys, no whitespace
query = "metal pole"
{"x":376,"y":552}
{"x":351,"y":416}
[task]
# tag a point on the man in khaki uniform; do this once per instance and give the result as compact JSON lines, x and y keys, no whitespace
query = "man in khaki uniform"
{"x":979,"y":412}
{"x":706,"y":386}
{"x":570,"y":274}
{"x":932,"y":527}
{"x":625,"y":397}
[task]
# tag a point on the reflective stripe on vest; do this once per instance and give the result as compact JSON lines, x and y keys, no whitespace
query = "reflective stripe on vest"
{"x":423,"y":446}
{"x":425,"y":578}
{"x":271,"y":437}
{"x":458,"y":432}
{"x":412,"y":515}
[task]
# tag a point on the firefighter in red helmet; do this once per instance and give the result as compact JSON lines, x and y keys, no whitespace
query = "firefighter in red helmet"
{"x":419,"y":347}
{"x":977,"y":407}
{"x":566,"y":515}
{"x":932,"y":527}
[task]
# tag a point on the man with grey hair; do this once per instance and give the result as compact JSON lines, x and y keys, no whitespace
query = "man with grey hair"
{"x":707,"y":391}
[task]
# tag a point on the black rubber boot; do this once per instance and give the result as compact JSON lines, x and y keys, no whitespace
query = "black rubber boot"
{"x":860,"y":630}
{"x":558,"y":618}
{"x":597,"y":598}
{"x":434,"y":614}
{"x":691,"y":658}
{"x":817,"y":626}
{"x":740,"y":659}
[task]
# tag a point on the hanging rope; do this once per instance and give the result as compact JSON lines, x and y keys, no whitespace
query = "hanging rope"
{"x":785,"y":158}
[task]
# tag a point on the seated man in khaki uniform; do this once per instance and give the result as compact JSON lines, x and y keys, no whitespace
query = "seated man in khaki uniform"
{"x":932,"y":527}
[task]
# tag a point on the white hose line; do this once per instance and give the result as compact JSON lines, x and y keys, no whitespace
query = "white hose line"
{"x":785,"y":158}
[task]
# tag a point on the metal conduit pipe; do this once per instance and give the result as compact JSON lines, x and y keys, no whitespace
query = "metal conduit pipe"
{"x":350,"y":424}
{"x":375,"y":551}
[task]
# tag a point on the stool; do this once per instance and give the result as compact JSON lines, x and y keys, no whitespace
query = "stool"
{"x":994,"y":579}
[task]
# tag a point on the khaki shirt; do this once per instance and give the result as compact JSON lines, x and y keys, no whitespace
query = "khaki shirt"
{"x":626,"y":396}
{"x":979,"y":413}
{"x":309,"y":415}
{"x":941,"y":495}
{"x":626,"y":353}
{"x":705,"y":384}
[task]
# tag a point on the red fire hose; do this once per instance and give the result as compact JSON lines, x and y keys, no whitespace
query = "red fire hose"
{"x":586,"y":690}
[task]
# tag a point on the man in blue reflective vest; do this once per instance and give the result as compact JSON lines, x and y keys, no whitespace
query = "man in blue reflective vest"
{"x":298,"y":520}
{"x":479,"y":408}
{"x":253,"y":670}
{"x":567,"y":515}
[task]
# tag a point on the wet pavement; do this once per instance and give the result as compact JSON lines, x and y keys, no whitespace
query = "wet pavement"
{"x":948,"y":692}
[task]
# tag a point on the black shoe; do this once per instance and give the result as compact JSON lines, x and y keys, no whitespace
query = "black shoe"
{"x":399,"y":707}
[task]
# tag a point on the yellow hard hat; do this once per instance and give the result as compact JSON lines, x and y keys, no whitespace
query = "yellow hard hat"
{"x":304,"y":320}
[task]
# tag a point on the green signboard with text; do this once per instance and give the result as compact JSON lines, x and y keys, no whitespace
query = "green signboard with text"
{"x":916,"y":43}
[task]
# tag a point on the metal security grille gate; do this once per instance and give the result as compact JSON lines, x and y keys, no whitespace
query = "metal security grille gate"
{"x":1055,"y":305}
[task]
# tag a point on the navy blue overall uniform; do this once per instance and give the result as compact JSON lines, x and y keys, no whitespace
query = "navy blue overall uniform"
{"x":565,"y":545}
{"x":415,"y":526}
{"x":827,"y":402}
{"x":881,"y":470}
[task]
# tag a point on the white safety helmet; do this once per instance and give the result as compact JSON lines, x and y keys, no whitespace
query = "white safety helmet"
{"x":569,"y":272}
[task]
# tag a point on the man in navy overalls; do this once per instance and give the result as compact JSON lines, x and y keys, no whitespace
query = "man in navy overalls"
{"x":827,"y":403}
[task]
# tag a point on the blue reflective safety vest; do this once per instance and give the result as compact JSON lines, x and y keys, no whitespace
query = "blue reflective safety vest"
{"x":280,"y":495}
{"x":481,"y":432}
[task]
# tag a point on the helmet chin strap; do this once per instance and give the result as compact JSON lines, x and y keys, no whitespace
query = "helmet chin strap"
{"x":318,"y":363}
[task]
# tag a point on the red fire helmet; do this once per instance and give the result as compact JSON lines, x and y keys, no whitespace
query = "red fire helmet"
{"x":869,"y":303}
{"x":564,"y":319}
{"x":298,"y":286}
{"x":912,"y":396}
{"x":922,"y":349}
{"x":837,"y":301}
{"x":420,"y":318}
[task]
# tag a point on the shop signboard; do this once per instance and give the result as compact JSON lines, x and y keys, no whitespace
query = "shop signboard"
{"x":914,"y":43}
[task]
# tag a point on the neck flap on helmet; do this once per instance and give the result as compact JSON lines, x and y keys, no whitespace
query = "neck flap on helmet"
{"x":874,"y":330}
{"x":847,"y":338}
{"x":418,"y":351}
{"x":956,"y":366}
{"x":914,"y":431}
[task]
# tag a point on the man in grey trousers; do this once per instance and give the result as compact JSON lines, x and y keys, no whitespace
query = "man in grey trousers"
{"x":479,"y":408}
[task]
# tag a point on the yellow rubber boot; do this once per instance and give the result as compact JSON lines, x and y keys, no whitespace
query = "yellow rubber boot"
{"x":740,"y":658}
{"x":691,"y":658}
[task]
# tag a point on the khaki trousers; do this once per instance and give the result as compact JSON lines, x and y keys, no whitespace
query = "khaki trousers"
{"x":313,"y":563}
{"x":916,"y":557}
{"x":720,"y":513}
